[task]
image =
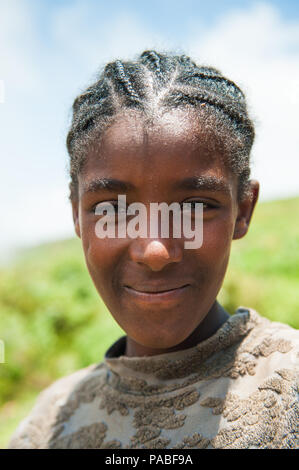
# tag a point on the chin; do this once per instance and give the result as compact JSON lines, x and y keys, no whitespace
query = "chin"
{"x":160,"y":341}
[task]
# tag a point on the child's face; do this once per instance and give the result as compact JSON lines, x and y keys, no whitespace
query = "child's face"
{"x":153,"y":160}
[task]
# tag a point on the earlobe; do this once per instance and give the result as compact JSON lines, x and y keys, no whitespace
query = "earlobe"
{"x":75,"y":210}
{"x":77,"y":228}
{"x":241,"y":228}
{"x":245,"y":211}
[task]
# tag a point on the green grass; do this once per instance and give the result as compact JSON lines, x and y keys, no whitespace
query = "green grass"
{"x":53,"y":321}
{"x":264,"y":267}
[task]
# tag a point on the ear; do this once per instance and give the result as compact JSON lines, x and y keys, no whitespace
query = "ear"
{"x":75,"y":209}
{"x":245,"y":210}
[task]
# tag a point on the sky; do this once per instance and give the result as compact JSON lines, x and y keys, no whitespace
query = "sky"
{"x":51,"y":50}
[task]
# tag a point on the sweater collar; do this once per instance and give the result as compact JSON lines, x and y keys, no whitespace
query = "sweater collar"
{"x":170,"y":370}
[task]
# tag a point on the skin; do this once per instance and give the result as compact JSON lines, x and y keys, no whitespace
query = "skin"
{"x":153,"y":156}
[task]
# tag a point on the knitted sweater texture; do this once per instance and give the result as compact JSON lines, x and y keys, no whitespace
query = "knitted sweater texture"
{"x":238,"y":389}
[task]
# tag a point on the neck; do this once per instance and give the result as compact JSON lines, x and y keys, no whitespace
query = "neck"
{"x":214,"y":319}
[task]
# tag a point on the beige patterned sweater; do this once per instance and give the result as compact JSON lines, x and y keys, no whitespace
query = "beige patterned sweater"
{"x":237,"y":389}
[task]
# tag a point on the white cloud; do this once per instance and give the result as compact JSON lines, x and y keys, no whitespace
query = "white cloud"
{"x":255,"y":47}
{"x":41,"y":82}
{"x":18,"y":66}
{"x":97,"y":41}
{"x":260,"y":51}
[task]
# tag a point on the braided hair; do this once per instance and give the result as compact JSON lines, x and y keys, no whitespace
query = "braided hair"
{"x":159,"y":81}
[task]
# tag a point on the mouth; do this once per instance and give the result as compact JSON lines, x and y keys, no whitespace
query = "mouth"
{"x":158,"y":295}
{"x":152,"y":290}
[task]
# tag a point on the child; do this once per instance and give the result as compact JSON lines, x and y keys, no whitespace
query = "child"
{"x":187,"y":374}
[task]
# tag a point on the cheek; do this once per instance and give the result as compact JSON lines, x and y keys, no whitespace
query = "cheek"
{"x":215,"y":250}
{"x":102,"y":257}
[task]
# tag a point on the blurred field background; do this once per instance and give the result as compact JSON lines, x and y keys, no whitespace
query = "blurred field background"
{"x":53,"y":321}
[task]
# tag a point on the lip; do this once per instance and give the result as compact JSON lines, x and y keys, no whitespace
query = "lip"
{"x":170,"y":295}
{"x":157,"y":287}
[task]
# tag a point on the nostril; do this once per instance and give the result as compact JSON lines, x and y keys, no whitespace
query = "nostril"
{"x":155,"y":254}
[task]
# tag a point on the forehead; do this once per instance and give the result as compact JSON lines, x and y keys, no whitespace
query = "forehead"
{"x":176,"y":130}
{"x":142,"y":149}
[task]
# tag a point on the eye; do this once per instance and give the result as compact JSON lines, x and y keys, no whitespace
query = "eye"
{"x":108,"y":208}
{"x":206,"y":205}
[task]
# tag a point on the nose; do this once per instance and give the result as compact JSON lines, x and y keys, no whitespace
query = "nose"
{"x":156,"y":253}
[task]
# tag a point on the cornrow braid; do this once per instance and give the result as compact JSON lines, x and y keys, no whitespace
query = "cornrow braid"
{"x":121,"y":78}
{"x":152,"y":60}
{"x":216,"y":79}
{"x":159,"y":81}
{"x":179,"y":96}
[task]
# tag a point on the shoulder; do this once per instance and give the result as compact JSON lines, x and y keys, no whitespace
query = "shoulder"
{"x":267,"y":347}
{"x":260,"y":408}
{"x":51,"y":405}
{"x":268,"y":337}
{"x":274,"y":348}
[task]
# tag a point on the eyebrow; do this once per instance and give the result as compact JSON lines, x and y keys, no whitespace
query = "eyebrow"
{"x":108,"y":184}
{"x":208,"y":183}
